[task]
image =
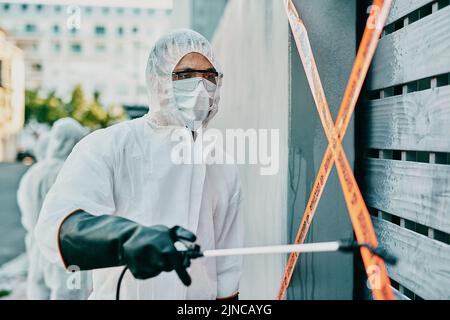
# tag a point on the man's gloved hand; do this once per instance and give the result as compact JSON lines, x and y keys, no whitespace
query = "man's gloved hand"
{"x":151,"y":250}
{"x":94,"y":242}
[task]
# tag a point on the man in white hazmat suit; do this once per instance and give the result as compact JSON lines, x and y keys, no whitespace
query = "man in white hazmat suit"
{"x":47,"y":280}
{"x":121,"y":200}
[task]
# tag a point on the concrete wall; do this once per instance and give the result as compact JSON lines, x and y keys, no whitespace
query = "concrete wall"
{"x":252,"y":45}
{"x":200,"y":15}
{"x":206,"y":16}
{"x":331,"y":27}
{"x":265,"y":87}
{"x":182,"y":14}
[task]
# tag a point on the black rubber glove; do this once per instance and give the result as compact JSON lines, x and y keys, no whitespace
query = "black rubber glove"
{"x":94,"y":242}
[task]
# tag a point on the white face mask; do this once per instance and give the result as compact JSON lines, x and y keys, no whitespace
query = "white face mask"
{"x":194,"y":98}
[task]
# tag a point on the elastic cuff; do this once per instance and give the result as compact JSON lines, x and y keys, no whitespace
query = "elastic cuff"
{"x":58,"y":239}
{"x":234,"y":296}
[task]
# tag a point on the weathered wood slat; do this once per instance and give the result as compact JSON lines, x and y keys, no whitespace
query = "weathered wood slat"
{"x":399,"y":295}
{"x":416,"y":51}
{"x":415,"y":121}
{"x":419,"y":192}
{"x":401,"y":8}
{"x":423,"y":263}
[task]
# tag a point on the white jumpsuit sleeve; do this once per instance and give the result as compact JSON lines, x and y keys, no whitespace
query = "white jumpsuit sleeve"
{"x":30,"y":196}
{"x":84,"y":182}
{"x":230,"y":234}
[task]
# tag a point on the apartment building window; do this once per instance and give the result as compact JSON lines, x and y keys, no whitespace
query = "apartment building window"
{"x":57,"y":47}
{"x":137,"y":11}
{"x":151,"y":12}
{"x":39,"y":7}
{"x":120,"y":31}
{"x":100,"y":30}
{"x":36,"y":67}
{"x":30,"y":28}
{"x":57,"y":9}
{"x":119,"y":10}
{"x":100,"y":47}
{"x":135,"y":30}
{"x":6,"y":7}
{"x":76,"y":48}
{"x":105,"y":10}
{"x":88,"y":10}
{"x":24,"y":7}
{"x":168,"y":12}
{"x":56,"y":28}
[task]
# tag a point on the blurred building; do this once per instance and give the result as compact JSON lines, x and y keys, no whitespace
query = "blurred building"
{"x":11,"y":97}
{"x":103,"y":48}
{"x":200,"y":15}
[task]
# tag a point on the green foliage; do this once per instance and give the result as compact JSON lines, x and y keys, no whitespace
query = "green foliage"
{"x":91,"y":114}
{"x":43,"y":109}
{"x":4,"y":293}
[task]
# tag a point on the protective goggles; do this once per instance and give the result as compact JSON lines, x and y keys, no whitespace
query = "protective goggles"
{"x":210,"y":75}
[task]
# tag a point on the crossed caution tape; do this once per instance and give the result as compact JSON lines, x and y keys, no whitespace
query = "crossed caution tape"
{"x":359,"y":215}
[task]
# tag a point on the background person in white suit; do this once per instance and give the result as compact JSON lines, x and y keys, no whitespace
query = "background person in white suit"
{"x":46,"y":280}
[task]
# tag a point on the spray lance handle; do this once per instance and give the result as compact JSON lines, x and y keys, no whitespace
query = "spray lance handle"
{"x":351,"y":246}
{"x":192,"y":250}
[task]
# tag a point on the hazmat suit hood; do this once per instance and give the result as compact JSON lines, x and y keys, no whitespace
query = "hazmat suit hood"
{"x":64,"y":135}
{"x":40,"y":150}
{"x":164,"y":56}
{"x":34,"y":185}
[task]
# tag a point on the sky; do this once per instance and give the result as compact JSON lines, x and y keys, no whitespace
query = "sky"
{"x":108,"y":3}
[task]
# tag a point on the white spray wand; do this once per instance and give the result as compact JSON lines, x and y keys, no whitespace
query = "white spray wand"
{"x":310,"y":247}
{"x":193,"y":250}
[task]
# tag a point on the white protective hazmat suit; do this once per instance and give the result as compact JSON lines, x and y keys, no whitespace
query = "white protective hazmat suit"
{"x":30,"y":203}
{"x":127,"y":170}
{"x":40,"y":150}
{"x":47,"y":280}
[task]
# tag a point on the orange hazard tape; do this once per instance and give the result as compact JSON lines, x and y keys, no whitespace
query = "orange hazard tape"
{"x":359,"y":215}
